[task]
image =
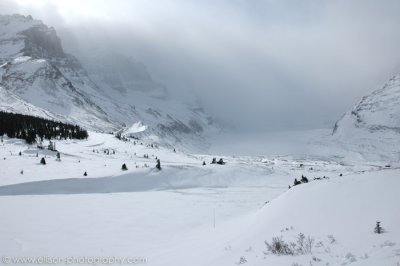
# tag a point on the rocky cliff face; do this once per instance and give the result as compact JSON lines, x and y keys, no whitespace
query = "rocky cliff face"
{"x":35,"y":72}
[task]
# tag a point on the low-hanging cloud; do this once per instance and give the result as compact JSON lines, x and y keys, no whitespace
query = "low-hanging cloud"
{"x":257,"y":63}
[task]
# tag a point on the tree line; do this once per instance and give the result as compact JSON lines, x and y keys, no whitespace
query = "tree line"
{"x":30,"y":128}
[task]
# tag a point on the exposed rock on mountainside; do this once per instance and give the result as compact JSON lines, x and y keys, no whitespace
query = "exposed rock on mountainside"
{"x":37,"y":77}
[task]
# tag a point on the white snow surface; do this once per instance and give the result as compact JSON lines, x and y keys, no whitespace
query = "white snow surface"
{"x":372,"y":128}
{"x":136,"y":128}
{"x":189,"y":214}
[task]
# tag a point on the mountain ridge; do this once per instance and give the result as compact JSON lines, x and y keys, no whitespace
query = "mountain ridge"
{"x":37,"y":76}
{"x":372,"y":127}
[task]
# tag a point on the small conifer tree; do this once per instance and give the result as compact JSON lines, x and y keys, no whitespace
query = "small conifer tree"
{"x":158,"y":165}
{"x":220,"y":161}
{"x":43,"y":161}
{"x":378,"y":228}
{"x":124,"y":168}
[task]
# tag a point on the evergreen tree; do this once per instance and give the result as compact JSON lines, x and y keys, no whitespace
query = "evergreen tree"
{"x":124,"y":168}
{"x":43,"y":161}
{"x":378,"y":228}
{"x":214,"y":160}
{"x":158,"y":165}
{"x":221,"y":161}
{"x":204,"y":163}
{"x":85,"y":174}
{"x":304,"y":179}
{"x":33,"y":128}
{"x":296,"y":182}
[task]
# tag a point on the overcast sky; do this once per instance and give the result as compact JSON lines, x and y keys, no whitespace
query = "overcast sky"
{"x":256,"y":62}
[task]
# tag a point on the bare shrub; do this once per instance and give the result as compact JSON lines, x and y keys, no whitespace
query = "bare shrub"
{"x":304,"y":244}
{"x":279,"y":247}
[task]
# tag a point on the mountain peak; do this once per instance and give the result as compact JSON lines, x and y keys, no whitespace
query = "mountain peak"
{"x":37,"y":76}
{"x":24,"y":36}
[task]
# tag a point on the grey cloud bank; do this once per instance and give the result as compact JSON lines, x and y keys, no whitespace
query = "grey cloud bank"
{"x":260,"y":64}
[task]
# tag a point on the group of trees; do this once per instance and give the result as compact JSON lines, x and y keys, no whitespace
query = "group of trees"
{"x":214,"y":161}
{"x":125,"y":168}
{"x":30,"y":127}
{"x":296,"y":182}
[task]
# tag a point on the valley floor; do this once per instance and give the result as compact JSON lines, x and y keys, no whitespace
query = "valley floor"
{"x":190,"y":214}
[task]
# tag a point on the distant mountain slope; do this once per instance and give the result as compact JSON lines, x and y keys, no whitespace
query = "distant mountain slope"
{"x":372,"y":128}
{"x":37,"y":76}
{"x":35,"y":69}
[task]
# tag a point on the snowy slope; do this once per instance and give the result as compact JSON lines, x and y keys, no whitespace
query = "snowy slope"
{"x":372,"y":128}
{"x":35,"y":69}
{"x":137,"y":98}
{"x":190,"y":214}
{"x":339,"y":214}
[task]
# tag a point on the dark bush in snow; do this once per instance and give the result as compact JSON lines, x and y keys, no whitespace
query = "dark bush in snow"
{"x":214,"y":160}
{"x":304,"y":179}
{"x":378,"y":228}
{"x":221,"y":161}
{"x":279,"y":247}
{"x":85,"y":174}
{"x":158,"y":165}
{"x":296,"y":182}
{"x":124,"y":168}
{"x":43,"y":161}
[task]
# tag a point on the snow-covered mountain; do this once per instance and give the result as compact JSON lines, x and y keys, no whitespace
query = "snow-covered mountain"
{"x":372,"y":128}
{"x":35,"y":71}
{"x":37,"y":77}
